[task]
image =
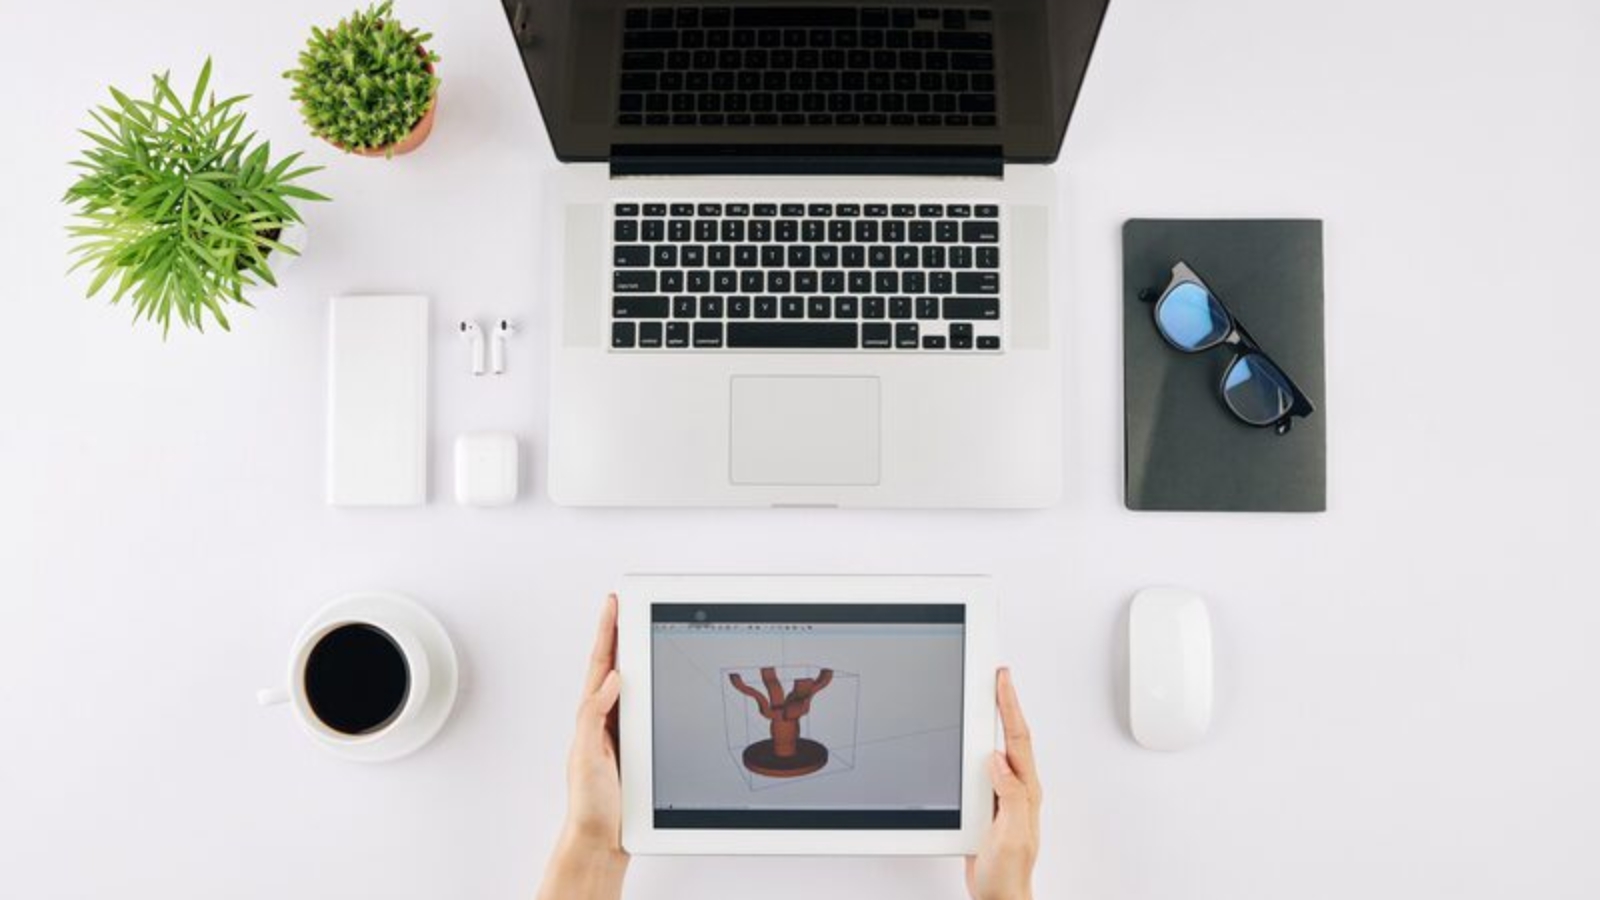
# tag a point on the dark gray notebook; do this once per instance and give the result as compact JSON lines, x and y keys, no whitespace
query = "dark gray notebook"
{"x":1185,"y":450}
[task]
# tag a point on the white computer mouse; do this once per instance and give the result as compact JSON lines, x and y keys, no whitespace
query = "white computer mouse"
{"x":1169,"y":668}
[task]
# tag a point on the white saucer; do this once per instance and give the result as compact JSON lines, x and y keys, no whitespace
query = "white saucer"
{"x":412,"y":734}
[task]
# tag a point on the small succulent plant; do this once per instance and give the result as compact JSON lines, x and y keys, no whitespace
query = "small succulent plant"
{"x":177,"y":209}
{"x":365,"y":83}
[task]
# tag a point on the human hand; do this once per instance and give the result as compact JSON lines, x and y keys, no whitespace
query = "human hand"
{"x":1003,"y":868}
{"x":589,"y":862}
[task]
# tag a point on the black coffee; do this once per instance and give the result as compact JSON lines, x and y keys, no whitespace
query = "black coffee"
{"x":357,"y":679}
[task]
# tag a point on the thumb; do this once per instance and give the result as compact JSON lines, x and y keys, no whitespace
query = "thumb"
{"x":592,"y":713}
{"x":1007,"y":786}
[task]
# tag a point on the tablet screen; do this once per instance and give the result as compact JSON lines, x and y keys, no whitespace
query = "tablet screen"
{"x":807,"y":715}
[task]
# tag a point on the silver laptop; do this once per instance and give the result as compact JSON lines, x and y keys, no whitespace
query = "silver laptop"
{"x":805,"y":250}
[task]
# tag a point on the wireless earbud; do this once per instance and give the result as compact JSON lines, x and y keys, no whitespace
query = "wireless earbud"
{"x":497,"y":348}
{"x":472,"y":333}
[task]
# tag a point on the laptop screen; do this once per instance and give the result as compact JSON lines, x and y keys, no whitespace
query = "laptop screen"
{"x":992,"y":77}
{"x":807,"y":716}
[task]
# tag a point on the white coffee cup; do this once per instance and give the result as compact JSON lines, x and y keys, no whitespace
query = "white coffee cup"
{"x":414,"y":655}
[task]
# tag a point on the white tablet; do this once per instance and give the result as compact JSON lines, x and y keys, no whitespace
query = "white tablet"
{"x":806,"y":715}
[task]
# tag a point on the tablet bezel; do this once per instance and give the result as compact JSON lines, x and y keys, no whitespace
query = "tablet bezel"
{"x":639,"y":592}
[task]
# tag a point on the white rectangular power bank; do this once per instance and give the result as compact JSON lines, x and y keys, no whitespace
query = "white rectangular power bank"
{"x":377,"y":400}
{"x":817,"y":715}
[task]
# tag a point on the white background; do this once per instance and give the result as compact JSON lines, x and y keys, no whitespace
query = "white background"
{"x":1407,"y":683}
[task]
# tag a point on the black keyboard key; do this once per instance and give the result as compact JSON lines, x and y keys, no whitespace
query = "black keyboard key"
{"x":626,"y":230}
{"x":672,"y":281}
{"x":819,"y":308}
{"x":677,"y":334}
{"x":639,"y":308}
{"x":683,"y":307}
{"x":980,"y":232}
{"x":633,"y":282}
{"x":877,"y":336}
{"x":738,"y":307}
{"x":960,"y":336}
{"x":650,"y":334}
{"x":635,"y":256}
{"x":766,"y":307}
{"x":844,"y":308}
{"x":623,"y":335}
{"x":900,"y":307}
{"x":793,"y":336}
{"x":710,"y":307}
{"x":708,"y":334}
{"x":643,"y":61}
{"x":905,"y":336}
{"x":872,"y":308}
{"x":989,"y":342}
{"x":988,"y":257}
{"x":977,"y":309}
{"x":927,"y":307}
{"x":933,"y":342}
{"x":794,"y":308}
{"x":665,"y":256}
{"x":988,"y":211}
{"x":977,"y":282}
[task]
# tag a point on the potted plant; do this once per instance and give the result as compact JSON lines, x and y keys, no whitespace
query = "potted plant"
{"x":367,"y":85}
{"x":179,"y":207}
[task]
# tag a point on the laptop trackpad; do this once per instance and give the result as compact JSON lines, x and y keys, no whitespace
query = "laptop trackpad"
{"x":804,"y":431}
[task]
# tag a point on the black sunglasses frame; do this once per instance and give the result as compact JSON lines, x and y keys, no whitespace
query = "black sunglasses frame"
{"x":1238,"y":340}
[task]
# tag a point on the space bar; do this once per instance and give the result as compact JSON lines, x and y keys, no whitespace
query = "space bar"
{"x":797,"y":335}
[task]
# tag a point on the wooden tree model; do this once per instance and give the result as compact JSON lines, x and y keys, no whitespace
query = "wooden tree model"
{"x":786,"y":754}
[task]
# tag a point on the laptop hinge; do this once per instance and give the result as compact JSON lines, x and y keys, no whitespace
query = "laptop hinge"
{"x":778,"y":159}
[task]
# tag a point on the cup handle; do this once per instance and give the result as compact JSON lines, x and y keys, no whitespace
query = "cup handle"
{"x":272,"y":696}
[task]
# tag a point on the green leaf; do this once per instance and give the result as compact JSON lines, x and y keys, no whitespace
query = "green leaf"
{"x":200,"y":88}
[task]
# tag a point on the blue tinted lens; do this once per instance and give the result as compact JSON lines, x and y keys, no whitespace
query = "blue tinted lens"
{"x":1256,"y":391}
{"x":1191,"y":318}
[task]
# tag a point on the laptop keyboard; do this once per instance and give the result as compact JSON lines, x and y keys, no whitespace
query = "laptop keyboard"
{"x":808,"y":65}
{"x":889,"y":277}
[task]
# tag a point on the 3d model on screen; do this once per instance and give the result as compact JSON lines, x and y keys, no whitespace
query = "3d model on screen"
{"x":786,"y":754}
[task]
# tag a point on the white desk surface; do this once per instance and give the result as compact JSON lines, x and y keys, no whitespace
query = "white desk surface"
{"x":1407,"y":703}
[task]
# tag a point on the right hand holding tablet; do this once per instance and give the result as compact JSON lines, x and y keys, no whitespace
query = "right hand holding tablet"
{"x":1003,"y":868}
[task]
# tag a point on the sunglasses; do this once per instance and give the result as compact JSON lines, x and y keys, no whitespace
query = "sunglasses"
{"x":1255,"y":389}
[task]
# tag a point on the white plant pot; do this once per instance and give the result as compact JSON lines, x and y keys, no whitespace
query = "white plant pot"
{"x":294,"y":236}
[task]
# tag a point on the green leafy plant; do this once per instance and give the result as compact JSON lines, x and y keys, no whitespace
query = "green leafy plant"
{"x":365,"y":83}
{"x":178,"y":207}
